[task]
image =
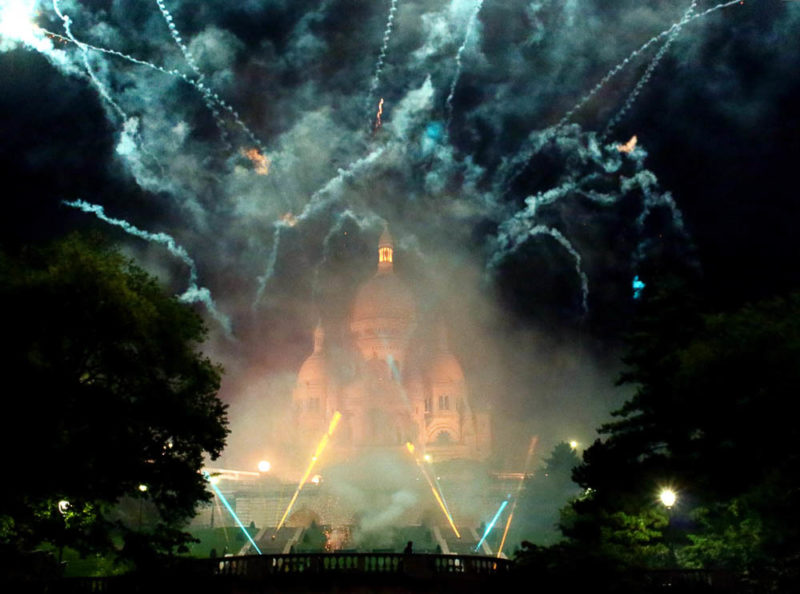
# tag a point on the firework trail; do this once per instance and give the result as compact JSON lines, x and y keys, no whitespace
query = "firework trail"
{"x":518,"y":164}
{"x":557,"y":235}
{"x":346,"y":215}
{"x":470,"y":26}
{"x":85,"y":57}
{"x":387,"y":33}
{"x":179,"y":41}
{"x":318,"y":202}
{"x":194,"y":294}
{"x":273,"y":259}
{"x":206,"y":92}
{"x":687,"y":18}
{"x":516,"y":231}
{"x":634,"y":94}
{"x":198,"y":86}
{"x":651,"y":198}
{"x":210,"y":97}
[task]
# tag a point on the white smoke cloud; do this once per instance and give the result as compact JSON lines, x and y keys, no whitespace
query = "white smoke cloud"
{"x":502,"y":179}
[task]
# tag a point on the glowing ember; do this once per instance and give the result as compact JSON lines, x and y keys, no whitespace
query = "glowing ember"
{"x":337,"y":538}
{"x":260,"y":162}
{"x":289,"y":219}
{"x":378,"y":122}
{"x":628,"y":146}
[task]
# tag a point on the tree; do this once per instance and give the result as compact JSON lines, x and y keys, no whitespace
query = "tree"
{"x":544,"y":495}
{"x":710,"y":416}
{"x":113,"y":409}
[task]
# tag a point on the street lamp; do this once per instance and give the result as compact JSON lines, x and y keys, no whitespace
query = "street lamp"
{"x":668,"y":497}
{"x":142,"y":489}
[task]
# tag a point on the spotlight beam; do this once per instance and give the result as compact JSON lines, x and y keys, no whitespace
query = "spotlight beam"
{"x":491,"y":524}
{"x":317,"y":453}
{"x":230,"y":509}
{"x":531,"y":448}
{"x":436,"y":495}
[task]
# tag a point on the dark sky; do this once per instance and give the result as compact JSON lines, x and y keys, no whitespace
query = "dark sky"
{"x":496,"y":164}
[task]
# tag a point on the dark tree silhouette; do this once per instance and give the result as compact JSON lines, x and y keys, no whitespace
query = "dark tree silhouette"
{"x":109,"y":409}
{"x":710,"y":417}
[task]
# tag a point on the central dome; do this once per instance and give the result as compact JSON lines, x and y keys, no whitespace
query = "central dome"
{"x":384,"y":296}
{"x":384,"y":310}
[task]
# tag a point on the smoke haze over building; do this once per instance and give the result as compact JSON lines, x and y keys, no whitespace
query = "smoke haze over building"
{"x":248,"y":135}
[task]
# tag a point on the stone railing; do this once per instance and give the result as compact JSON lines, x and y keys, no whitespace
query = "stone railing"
{"x":257,"y":566}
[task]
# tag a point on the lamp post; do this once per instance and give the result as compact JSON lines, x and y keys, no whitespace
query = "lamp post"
{"x":143,"y":490}
{"x":668,"y":498}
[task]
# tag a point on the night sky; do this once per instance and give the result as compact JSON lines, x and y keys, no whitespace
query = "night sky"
{"x":496,"y":165}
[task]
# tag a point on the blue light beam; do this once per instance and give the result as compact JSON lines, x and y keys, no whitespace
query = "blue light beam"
{"x":230,"y":509}
{"x":491,"y":524}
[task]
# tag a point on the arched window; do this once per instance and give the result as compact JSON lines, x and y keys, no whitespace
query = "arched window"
{"x":443,"y":438}
{"x":444,"y":402}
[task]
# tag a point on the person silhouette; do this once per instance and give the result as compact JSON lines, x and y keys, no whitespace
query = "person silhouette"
{"x":409,"y":548}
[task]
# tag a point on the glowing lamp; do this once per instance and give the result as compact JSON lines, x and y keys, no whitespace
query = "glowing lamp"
{"x":573,"y":444}
{"x":264,"y":466}
{"x":63,"y":507}
{"x":427,"y":458}
{"x":668,"y":497}
{"x":143,"y":488}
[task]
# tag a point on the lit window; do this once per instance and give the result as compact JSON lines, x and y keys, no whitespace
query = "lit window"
{"x":385,"y":254}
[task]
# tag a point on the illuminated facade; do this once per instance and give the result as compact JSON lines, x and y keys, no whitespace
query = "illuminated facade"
{"x":395,"y":383}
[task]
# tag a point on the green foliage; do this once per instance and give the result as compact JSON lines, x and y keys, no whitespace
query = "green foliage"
{"x":709,"y":417}
{"x":543,"y":495}
{"x":727,"y":536}
{"x":113,"y":395}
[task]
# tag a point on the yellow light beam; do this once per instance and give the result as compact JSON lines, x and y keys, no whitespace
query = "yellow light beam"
{"x":317,"y":453}
{"x":439,"y":500}
{"x":531,"y":448}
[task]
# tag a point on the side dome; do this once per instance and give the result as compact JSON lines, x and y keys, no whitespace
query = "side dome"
{"x":314,"y":370}
{"x":313,"y":395}
{"x":446,"y":368}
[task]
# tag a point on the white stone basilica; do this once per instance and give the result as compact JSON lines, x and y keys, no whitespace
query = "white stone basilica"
{"x":395,"y":386}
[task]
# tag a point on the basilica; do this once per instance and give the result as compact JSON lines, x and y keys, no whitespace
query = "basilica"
{"x":393,"y":382}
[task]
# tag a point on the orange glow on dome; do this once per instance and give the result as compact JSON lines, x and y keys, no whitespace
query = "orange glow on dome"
{"x":385,"y":254}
